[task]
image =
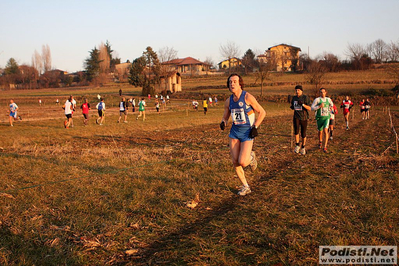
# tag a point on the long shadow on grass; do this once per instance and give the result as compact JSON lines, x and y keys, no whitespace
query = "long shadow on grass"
{"x":26,"y":251}
{"x":181,"y":239}
{"x":176,"y":239}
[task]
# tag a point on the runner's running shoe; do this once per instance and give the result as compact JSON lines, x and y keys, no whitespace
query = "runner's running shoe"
{"x":297,"y":148}
{"x":303,"y":151}
{"x":244,"y":191}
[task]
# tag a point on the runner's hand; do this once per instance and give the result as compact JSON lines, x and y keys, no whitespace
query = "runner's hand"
{"x":253,"y":133}
{"x":222,"y":125}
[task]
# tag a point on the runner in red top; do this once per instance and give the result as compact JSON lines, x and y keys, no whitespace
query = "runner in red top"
{"x":85,"y":111}
{"x":347,"y":105}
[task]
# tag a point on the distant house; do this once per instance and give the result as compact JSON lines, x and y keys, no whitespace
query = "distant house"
{"x":188,"y":66}
{"x":232,"y":63}
{"x":53,"y":78}
{"x":284,"y":56}
{"x":169,"y":84}
{"x":56,"y":72}
{"x":76,"y":77}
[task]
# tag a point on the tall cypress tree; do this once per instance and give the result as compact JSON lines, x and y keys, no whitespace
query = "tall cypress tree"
{"x":92,"y":64}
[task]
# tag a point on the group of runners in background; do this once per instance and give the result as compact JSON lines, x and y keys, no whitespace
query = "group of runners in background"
{"x":70,"y":107}
{"x":325,"y":113}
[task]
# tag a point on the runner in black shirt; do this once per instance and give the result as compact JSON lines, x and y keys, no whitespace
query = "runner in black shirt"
{"x":300,"y":103}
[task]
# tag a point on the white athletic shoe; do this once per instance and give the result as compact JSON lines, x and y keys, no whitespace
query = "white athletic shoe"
{"x":244,"y":191}
{"x":303,"y":151}
{"x":297,"y":148}
{"x":331,"y":137}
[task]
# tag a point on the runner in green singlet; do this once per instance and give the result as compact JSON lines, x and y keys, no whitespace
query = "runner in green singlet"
{"x":322,"y":105}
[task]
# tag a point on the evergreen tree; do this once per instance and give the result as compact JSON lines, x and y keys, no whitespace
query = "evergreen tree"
{"x":145,"y":71}
{"x":11,"y":67}
{"x":248,"y":60}
{"x":92,"y":64}
{"x":137,"y":76}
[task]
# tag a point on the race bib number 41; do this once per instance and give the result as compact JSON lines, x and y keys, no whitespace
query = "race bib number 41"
{"x":238,"y":116}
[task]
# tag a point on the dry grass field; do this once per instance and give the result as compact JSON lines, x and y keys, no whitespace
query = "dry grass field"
{"x":117,"y":194}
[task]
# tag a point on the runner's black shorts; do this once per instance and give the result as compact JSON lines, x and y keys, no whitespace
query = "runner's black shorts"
{"x":303,"y":124}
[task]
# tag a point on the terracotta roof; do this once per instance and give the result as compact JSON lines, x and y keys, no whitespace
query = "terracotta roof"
{"x":184,"y":61}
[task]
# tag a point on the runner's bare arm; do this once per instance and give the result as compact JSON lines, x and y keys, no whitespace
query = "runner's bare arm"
{"x":250,"y":100}
{"x":226,"y":114}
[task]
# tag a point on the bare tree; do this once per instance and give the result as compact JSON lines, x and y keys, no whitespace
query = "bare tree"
{"x":315,"y":75}
{"x":229,"y":51}
{"x":37,"y":62}
{"x":393,"y":52}
{"x":358,"y":55}
{"x":104,"y":59}
{"x":209,"y":61}
{"x":355,"y":51}
{"x":378,"y":50}
{"x":263,"y":72}
{"x":46,"y":57}
{"x":166,"y":54}
{"x":330,"y":61}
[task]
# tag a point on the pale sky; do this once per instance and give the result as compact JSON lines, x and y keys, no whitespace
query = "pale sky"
{"x":192,"y":28}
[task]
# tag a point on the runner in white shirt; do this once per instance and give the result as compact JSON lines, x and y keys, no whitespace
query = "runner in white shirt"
{"x":122,"y":110}
{"x":68,"y":107}
{"x":13,"y":112}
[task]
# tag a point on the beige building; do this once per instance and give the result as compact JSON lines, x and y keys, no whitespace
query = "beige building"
{"x":284,"y":56}
{"x":188,"y":66}
{"x":172,"y":83}
{"x":232,"y":63}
